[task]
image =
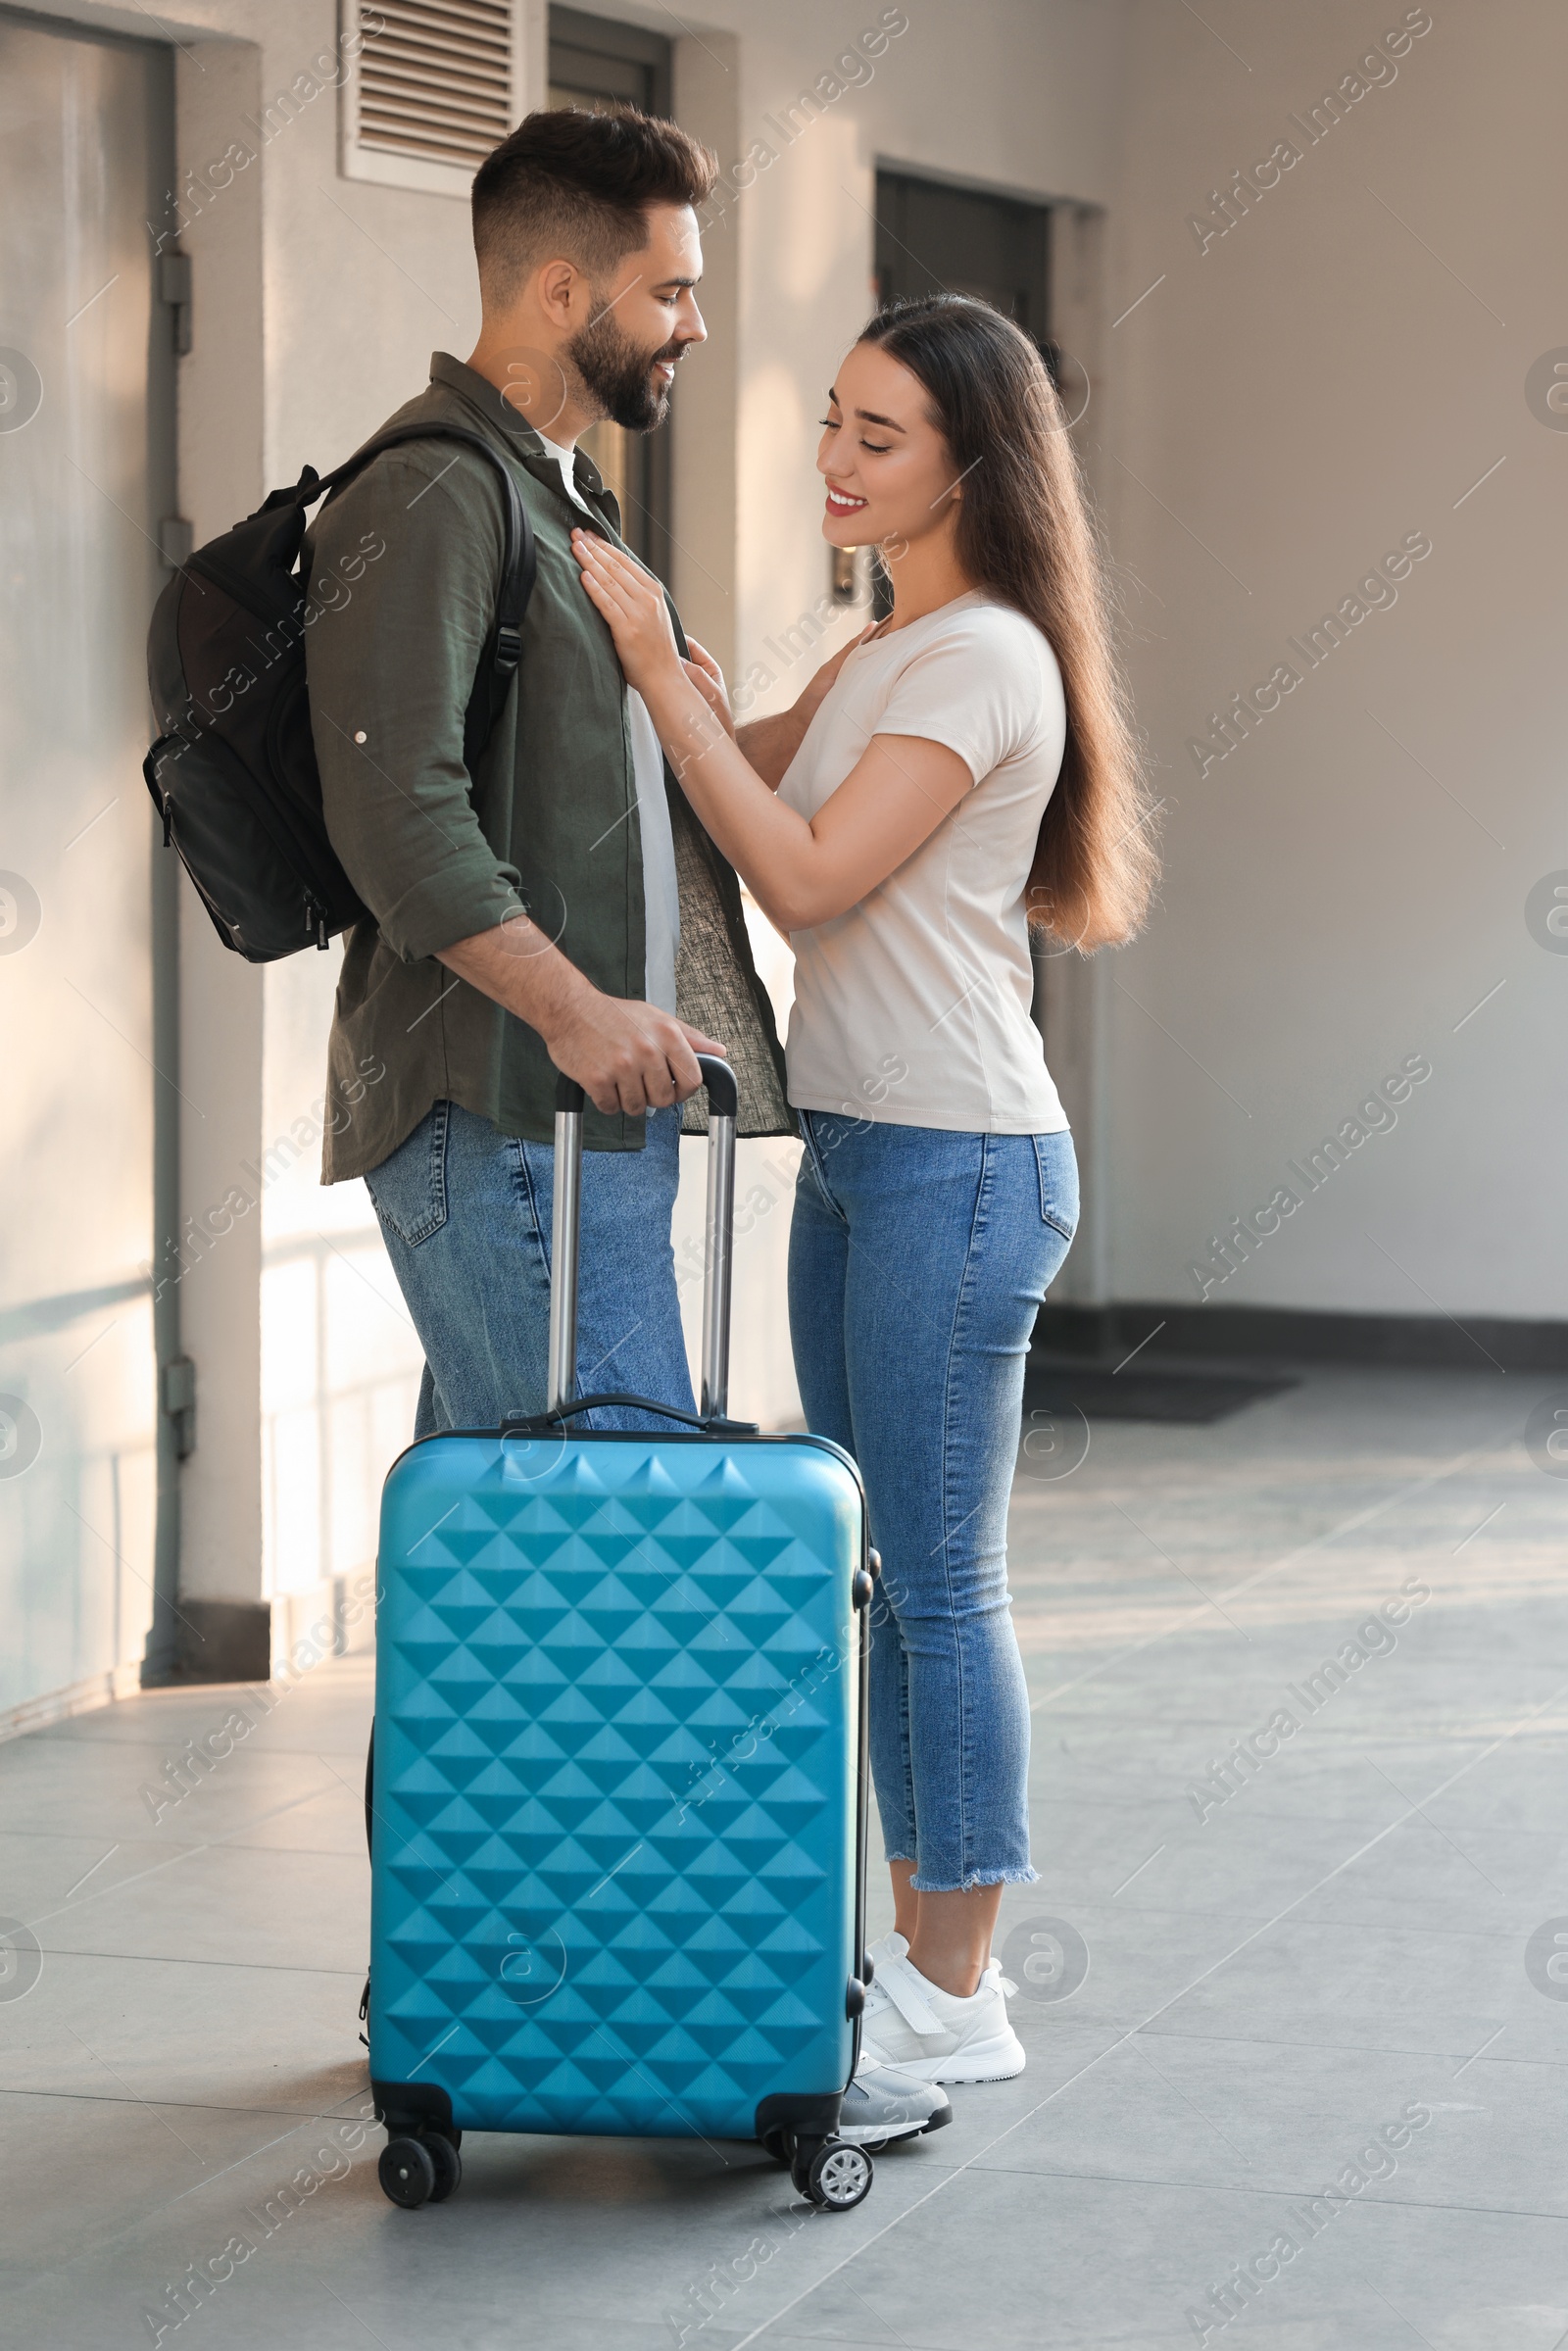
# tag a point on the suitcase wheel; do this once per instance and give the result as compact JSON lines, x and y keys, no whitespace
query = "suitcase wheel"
{"x":407,"y":2173}
{"x":422,"y":2169}
{"x":776,"y":2144}
{"x":448,"y":2165}
{"x":834,"y":2175}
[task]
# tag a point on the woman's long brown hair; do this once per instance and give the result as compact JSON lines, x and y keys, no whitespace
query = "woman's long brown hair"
{"x":1026,"y":537}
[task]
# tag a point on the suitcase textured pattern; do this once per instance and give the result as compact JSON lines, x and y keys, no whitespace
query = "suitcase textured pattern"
{"x":614,"y":1784}
{"x":618,"y":1817}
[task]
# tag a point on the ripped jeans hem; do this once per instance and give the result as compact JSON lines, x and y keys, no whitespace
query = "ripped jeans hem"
{"x":1027,"y":1876}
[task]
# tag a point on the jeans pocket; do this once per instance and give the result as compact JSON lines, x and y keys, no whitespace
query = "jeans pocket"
{"x":409,"y":1191}
{"x":813,"y":1170}
{"x":1058,"y":1165}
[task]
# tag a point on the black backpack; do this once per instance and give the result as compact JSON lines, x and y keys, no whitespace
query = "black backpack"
{"x":233,"y":774}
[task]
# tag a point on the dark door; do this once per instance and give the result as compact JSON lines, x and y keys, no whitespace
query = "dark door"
{"x":598,"y":65}
{"x":933,"y":239}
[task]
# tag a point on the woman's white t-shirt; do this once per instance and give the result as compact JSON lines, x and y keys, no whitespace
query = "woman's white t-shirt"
{"x":914,"y":1007}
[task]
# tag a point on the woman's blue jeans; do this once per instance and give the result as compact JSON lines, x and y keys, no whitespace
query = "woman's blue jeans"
{"x":917,"y":1261}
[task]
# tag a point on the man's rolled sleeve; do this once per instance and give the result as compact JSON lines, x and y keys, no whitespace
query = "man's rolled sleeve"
{"x":404,"y":577}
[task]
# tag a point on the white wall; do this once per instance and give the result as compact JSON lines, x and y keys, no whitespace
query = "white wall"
{"x":1335,"y":371}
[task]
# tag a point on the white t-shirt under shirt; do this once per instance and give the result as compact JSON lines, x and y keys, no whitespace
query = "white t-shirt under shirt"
{"x":660,"y":893}
{"x":914,"y":1007}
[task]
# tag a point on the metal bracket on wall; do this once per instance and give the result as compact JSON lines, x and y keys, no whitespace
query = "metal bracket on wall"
{"x":176,"y":1395}
{"x":174,"y":287}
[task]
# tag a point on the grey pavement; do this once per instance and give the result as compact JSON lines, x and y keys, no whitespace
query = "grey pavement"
{"x":1296,"y":2035}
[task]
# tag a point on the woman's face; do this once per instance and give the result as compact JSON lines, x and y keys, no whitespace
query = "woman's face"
{"x":888,"y":472}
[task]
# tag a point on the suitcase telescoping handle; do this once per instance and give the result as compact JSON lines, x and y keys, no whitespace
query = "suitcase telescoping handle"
{"x":718,"y":1241}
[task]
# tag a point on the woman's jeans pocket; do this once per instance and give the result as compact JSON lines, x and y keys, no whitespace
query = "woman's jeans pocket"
{"x":409,"y":1191}
{"x":1057,"y":1165}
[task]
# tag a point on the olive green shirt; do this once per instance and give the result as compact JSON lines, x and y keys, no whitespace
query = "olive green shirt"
{"x":405,"y":573}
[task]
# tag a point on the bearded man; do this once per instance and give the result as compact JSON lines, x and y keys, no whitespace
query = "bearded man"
{"x":551,"y":904}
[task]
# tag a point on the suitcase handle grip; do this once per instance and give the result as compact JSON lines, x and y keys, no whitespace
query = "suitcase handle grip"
{"x":544,"y":1422}
{"x":723,"y":1102}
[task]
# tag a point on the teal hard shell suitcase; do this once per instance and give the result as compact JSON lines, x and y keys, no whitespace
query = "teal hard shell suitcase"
{"x":618,"y":1798}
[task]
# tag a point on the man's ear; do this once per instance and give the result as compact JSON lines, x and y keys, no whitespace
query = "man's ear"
{"x":556,"y":287}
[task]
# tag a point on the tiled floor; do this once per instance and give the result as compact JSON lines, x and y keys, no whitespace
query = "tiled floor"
{"x":1342,"y":1948}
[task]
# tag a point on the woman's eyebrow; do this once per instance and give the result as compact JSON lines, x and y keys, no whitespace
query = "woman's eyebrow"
{"x":866,"y":415}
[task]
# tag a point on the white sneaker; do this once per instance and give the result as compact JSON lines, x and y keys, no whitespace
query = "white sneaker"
{"x":881,"y":2105}
{"x":921,"y":2030}
{"x":891,"y":1945}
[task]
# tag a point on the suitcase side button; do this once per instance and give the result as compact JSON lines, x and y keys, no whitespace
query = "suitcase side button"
{"x":861,"y":1589}
{"x":854,"y":1998}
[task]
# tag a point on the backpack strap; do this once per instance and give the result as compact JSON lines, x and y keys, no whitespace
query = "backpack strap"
{"x":520,"y":566}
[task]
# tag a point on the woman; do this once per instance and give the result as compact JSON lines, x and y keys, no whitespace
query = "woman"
{"x":964,"y":771}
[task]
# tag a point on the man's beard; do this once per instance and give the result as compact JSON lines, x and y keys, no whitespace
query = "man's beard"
{"x":618,"y":377}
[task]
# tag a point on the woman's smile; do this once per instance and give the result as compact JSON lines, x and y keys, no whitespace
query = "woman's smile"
{"x":842,"y":501}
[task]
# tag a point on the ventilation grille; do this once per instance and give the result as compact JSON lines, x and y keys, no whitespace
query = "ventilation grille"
{"x":435,"y":80}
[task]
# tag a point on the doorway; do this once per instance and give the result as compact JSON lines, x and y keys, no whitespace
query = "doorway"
{"x":601,"y":65}
{"x":87,"y":1466}
{"x":935,"y":239}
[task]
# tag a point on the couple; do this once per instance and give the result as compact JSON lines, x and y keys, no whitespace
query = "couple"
{"x":571,"y":903}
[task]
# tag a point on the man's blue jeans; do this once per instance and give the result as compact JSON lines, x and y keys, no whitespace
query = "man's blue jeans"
{"x":465,"y":1215}
{"x":918,"y":1259}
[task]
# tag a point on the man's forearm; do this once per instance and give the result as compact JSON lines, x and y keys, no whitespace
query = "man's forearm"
{"x":770,"y":743}
{"x":627,"y":1055}
{"x":518,"y":968}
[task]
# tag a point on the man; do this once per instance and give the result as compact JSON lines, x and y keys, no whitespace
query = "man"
{"x":561,"y":909}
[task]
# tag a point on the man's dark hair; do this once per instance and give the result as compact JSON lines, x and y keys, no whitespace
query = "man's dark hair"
{"x":575,"y":184}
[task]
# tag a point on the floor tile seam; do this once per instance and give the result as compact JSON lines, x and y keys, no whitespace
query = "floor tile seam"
{"x":239,"y":1844}
{"x":256,"y":1744}
{"x":1346,"y":1919}
{"x":53,"y":1735}
{"x":1301,"y":1551}
{"x":88,"y":2098}
{"x":1088,"y":1906}
{"x":185,"y":1854}
{"x":1242,"y":2188}
{"x":154,"y":2212}
{"x":261,"y":1966}
{"x":1345,"y":2048}
{"x":1101,"y":1903}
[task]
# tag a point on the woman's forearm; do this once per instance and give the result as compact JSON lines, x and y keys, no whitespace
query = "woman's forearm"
{"x":772,"y":846}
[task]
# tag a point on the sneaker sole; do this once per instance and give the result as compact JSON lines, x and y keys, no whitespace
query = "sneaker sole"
{"x":873,"y":2136}
{"x":994,"y":2060}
